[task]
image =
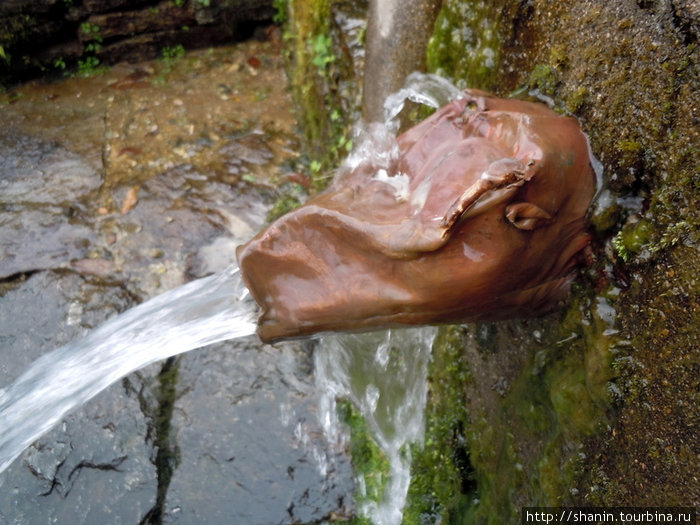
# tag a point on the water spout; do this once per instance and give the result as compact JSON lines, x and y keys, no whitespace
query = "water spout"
{"x":477,"y":213}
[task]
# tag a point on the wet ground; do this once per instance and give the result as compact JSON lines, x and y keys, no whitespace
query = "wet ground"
{"x":114,"y":188}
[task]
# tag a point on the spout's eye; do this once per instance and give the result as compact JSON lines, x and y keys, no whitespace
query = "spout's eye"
{"x":526,"y":215}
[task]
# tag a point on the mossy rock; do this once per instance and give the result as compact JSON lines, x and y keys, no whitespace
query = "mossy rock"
{"x":592,"y":405}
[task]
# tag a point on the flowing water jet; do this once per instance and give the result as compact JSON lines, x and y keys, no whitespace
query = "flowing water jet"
{"x":199,"y":313}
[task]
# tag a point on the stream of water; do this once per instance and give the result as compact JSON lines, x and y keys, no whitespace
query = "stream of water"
{"x":384,"y":375}
{"x":199,"y":313}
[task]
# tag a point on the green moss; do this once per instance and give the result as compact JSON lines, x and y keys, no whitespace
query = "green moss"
{"x":630,"y":154}
{"x":645,"y":459}
{"x":284,"y":204}
{"x":522,"y":440}
{"x":544,"y":78}
{"x":167,"y":456}
{"x":466,"y":43}
{"x":369,"y":462}
{"x":321,"y":81}
{"x":630,"y":240}
{"x":442,"y":484}
{"x":575,"y":99}
{"x":317,"y":70}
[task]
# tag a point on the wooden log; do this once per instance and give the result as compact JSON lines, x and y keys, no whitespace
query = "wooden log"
{"x":164,"y":16}
{"x":27,"y":7}
{"x":150,"y":45}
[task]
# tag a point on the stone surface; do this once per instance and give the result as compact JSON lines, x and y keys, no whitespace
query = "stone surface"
{"x":285,"y":473}
{"x":43,"y":192}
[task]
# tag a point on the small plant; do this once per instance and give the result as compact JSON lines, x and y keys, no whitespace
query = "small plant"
{"x":88,"y":66}
{"x":323,"y":52}
{"x":91,"y":30}
{"x":179,"y":3}
{"x":284,"y":205}
{"x":3,"y":55}
{"x":315,"y":166}
{"x":59,"y":63}
{"x":204,"y":3}
{"x":280,"y":16}
{"x":173,"y":53}
{"x":674,"y":234}
{"x":620,"y":247}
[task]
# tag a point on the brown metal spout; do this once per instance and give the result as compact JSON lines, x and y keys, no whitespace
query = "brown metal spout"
{"x":482,"y":217}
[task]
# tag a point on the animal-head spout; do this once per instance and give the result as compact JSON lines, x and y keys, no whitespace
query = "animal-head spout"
{"x":481,"y":217}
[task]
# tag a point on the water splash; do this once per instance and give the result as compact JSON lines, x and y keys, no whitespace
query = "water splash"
{"x":423,"y":88}
{"x":384,"y":374}
{"x":199,"y":313}
{"x":376,"y":147}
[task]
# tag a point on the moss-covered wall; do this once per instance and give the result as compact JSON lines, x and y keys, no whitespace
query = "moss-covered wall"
{"x":596,"y":404}
{"x":325,"y":81}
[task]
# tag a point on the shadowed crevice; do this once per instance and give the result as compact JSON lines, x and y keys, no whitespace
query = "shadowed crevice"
{"x":167,"y":455}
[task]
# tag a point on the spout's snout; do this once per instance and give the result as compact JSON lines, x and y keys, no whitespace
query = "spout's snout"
{"x":482,"y":218}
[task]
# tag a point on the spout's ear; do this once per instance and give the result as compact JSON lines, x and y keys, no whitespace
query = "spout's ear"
{"x":526,"y":215}
{"x":497,"y":184}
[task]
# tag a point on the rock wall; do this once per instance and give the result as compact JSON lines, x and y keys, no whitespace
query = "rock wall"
{"x":597,"y":403}
{"x":40,"y":37}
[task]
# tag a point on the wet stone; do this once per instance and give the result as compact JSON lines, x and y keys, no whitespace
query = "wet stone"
{"x":250,"y":149}
{"x":178,"y":212}
{"x":250,"y":447}
{"x":94,"y":468}
{"x":49,"y":310}
{"x":124,"y":194}
{"x":42,"y":190}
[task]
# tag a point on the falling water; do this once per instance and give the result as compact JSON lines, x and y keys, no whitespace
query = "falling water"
{"x":384,"y":374}
{"x":427,"y":89}
{"x":199,"y":313}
